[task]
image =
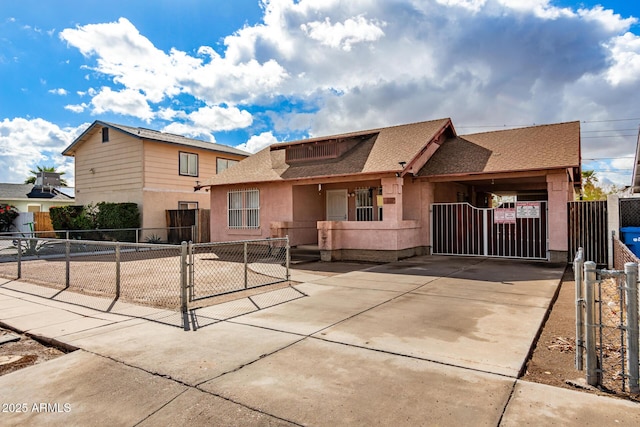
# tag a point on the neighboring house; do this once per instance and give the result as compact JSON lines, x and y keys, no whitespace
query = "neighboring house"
{"x":30,"y":198}
{"x":156,"y":170}
{"x":369,"y":195}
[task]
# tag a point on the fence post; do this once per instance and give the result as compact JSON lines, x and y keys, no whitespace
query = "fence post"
{"x":184,"y":272}
{"x":590,"y":332}
{"x":19,"y":258}
{"x":67,"y":261}
{"x":288,"y":262}
{"x":246,"y":278}
{"x":577,"y":272}
{"x":633,"y":360}
{"x":117,"y":270}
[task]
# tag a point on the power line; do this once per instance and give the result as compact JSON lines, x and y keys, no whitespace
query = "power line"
{"x":608,"y":136}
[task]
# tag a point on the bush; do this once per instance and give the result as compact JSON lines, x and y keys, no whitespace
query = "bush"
{"x":8,"y":214}
{"x":102,"y":216}
{"x":118,"y":215}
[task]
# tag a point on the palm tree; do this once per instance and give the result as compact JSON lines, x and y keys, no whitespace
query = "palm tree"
{"x":34,"y":173}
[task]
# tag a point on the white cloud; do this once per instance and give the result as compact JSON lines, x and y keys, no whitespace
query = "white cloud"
{"x":126,"y":102}
{"x":258,"y":142}
{"x":190,"y":130}
{"x":59,"y":91}
{"x":625,"y":54}
{"x":27,"y":143}
{"x":344,"y":35}
{"x":77,"y":108}
{"x":369,"y":63}
{"x":220,"y":119}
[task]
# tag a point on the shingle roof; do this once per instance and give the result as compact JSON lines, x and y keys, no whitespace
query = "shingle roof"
{"x":531,"y":148}
{"x":154,"y":135}
{"x":379,"y":150}
{"x":27,"y":191}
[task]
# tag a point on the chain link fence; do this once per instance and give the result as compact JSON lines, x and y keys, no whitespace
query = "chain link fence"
{"x":175,"y":278}
{"x":607,"y":326}
{"x":236,"y":266}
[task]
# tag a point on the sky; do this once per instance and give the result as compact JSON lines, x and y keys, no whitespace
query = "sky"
{"x":250,"y":73}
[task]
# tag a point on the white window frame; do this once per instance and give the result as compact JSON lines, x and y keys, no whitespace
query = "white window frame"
{"x":188,"y":164}
{"x":243,"y":209}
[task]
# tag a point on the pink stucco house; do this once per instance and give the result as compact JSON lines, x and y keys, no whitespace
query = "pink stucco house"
{"x":372,"y":195}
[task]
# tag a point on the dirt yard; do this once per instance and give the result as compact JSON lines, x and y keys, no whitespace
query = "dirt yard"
{"x":553,"y":359}
{"x":23,"y":352}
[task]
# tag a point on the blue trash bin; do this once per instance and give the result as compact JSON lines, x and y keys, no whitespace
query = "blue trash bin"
{"x":631,"y":238}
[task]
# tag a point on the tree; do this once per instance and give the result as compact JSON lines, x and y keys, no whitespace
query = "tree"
{"x":590,"y":188}
{"x":34,"y":174}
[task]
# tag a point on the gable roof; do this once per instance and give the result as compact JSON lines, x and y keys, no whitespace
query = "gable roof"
{"x":555,"y":146}
{"x":29,"y":191}
{"x":152,"y":135}
{"x":382,"y":150}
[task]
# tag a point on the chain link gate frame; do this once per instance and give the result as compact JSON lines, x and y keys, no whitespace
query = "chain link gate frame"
{"x":607,"y":325}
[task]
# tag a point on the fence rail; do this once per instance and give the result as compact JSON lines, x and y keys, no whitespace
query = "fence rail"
{"x":131,"y":235}
{"x":172,"y":277}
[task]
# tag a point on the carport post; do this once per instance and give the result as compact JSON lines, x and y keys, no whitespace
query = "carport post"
{"x":631,"y":271}
{"x":590,"y":332}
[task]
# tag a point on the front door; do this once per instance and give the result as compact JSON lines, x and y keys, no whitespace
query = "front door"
{"x":336,"y":205}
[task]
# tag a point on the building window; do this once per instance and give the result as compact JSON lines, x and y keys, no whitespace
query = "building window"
{"x":365,"y":204}
{"x":244,"y":208}
{"x":187,"y":205}
{"x":188,"y":164}
{"x":223,"y":164}
{"x":105,"y":134}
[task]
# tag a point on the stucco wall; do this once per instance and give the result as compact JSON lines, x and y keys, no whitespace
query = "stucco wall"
{"x":276,"y":204}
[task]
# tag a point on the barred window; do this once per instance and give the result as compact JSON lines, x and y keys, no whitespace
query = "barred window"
{"x":244,"y":208}
{"x":365,"y":204}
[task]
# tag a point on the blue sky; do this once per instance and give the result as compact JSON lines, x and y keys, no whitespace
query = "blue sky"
{"x":249,"y":73}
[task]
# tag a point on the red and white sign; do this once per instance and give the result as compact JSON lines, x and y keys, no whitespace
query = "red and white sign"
{"x":528,"y":209}
{"x":504,"y":216}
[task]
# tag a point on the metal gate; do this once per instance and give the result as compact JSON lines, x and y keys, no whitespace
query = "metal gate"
{"x":514,"y":230}
{"x":588,"y":230}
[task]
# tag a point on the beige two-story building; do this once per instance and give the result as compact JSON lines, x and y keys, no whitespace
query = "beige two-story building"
{"x":156,"y":170}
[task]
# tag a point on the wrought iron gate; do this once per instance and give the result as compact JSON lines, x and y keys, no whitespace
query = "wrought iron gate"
{"x":588,"y":230}
{"x":515,"y":230}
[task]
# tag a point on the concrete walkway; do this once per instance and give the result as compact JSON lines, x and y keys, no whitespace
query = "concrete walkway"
{"x":428,"y":341}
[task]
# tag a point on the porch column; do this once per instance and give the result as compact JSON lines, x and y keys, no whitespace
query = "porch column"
{"x":559,"y":193}
{"x":392,"y":199}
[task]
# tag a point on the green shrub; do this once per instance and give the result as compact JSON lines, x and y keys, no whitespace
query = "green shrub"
{"x":101,"y":216}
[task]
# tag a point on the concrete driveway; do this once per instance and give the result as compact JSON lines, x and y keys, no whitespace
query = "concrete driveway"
{"x":428,"y":341}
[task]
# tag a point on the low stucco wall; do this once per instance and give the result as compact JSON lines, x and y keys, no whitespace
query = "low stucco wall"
{"x":299,"y":232}
{"x":383,"y":240}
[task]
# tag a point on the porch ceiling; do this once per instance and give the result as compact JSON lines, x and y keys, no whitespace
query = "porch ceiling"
{"x":507,"y":185}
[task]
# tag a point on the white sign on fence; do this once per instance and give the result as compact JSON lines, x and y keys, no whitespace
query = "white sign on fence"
{"x":504,"y":216}
{"x":528,"y":210}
